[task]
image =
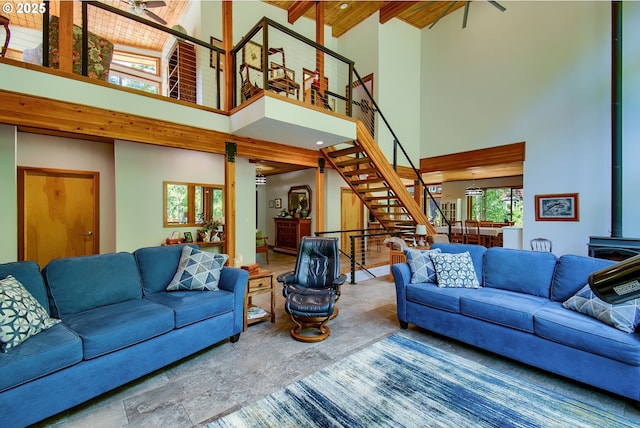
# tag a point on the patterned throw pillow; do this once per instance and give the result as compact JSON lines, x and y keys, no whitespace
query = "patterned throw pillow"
{"x":455,"y":270}
{"x":197,"y":270}
{"x":421,"y":265}
{"x":624,"y":316}
{"x":21,"y":315}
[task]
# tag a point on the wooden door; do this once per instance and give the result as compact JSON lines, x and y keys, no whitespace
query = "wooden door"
{"x":57,"y":214}
{"x":351,"y":209}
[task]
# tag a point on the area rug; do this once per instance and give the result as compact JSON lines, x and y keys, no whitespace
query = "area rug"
{"x":399,"y":382}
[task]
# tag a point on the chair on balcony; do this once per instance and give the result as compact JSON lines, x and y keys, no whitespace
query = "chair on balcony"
{"x":4,"y":21}
{"x":282,"y":79}
{"x":247,"y":89}
{"x":312,"y":290}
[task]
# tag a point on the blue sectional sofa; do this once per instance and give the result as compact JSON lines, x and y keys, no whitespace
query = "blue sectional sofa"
{"x":518,"y":313}
{"x":118,"y":324}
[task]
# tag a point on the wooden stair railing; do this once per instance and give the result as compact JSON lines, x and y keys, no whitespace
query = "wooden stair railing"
{"x":368,"y":172}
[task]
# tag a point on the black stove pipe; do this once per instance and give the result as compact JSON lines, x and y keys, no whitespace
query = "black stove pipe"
{"x":616,"y":119}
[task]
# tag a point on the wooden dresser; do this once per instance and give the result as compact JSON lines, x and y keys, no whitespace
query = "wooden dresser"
{"x":289,"y":232}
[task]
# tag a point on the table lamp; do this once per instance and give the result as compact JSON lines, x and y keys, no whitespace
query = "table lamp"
{"x":421,"y":231}
{"x":617,"y":283}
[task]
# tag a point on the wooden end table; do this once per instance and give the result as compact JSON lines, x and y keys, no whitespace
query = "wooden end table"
{"x":260,"y":282}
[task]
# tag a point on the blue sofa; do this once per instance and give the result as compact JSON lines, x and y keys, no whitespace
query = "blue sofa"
{"x":118,"y":324}
{"x":518,"y":313}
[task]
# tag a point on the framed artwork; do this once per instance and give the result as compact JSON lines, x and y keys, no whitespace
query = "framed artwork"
{"x":188,"y":237}
{"x":271,"y":204}
{"x":213,"y":55}
{"x":278,"y":203}
{"x":557,"y":207}
{"x":252,"y":55}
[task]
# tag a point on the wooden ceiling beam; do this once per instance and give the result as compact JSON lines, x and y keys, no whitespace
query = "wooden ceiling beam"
{"x":298,"y":9}
{"x":393,"y":9}
{"x":475,"y":158}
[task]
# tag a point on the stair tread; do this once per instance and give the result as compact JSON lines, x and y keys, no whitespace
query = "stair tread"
{"x":344,"y":152}
{"x":354,"y":161}
{"x":360,"y":171}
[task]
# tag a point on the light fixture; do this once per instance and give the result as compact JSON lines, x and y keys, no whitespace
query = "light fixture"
{"x":261,"y":180}
{"x":319,"y":142}
{"x":473,"y":190}
{"x":343,"y":6}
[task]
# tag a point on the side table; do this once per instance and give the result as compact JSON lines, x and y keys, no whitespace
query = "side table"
{"x":260,"y":282}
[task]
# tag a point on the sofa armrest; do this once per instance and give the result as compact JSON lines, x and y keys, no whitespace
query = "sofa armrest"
{"x":235,"y":280}
{"x":401,"y":276}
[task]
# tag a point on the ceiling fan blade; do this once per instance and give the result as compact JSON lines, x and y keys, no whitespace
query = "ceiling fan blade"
{"x":442,"y":14}
{"x":466,"y":13}
{"x":156,"y":17}
{"x":497,"y":5}
{"x":155,"y":3}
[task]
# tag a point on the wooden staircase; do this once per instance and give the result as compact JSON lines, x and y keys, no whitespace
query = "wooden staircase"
{"x":363,"y":165}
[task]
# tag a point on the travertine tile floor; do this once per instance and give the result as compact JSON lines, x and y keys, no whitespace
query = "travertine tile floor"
{"x":225,"y":377}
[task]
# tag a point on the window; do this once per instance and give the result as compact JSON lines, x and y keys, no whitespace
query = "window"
{"x":132,"y":82}
{"x":191,"y":204}
{"x":135,"y":71}
{"x":143,"y":63}
{"x":498,"y":205}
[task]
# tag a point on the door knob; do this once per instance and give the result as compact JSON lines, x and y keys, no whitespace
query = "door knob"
{"x":89,"y":233}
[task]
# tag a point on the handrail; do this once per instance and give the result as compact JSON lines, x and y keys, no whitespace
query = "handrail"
{"x":397,"y":143}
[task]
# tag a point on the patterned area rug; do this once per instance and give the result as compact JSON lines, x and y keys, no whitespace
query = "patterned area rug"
{"x":399,"y":382}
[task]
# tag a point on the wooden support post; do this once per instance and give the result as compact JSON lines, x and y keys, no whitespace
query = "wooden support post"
{"x":230,"y":200}
{"x":320,"y":41}
{"x":319,"y":202}
{"x":65,"y":42}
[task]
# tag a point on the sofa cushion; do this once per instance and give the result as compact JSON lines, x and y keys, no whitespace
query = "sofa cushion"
{"x":193,"y":306}
{"x":78,"y":284}
{"x":572,"y":272}
{"x":112,"y":327}
{"x":428,"y":294}
{"x":29,"y":275}
{"x":524,"y":271}
{"x":624,"y":316}
{"x":476,"y":252}
{"x":53,"y":349}
{"x":21,"y":315}
{"x":570,"y":328}
{"x":197,"y":270}
{"x":158,"y":266}
{"x":502,"y":307}
{"x":421,"y":265}
{"x":454,"y":270}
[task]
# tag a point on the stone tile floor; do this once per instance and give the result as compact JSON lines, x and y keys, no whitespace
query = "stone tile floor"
{"x":227,"y":376}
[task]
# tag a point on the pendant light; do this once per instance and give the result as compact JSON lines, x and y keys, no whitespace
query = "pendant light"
{"x":261,"y":180}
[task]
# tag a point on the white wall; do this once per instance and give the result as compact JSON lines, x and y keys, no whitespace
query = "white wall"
{"x":539,"y":73}
{"x":41,"y":151}
{"x":140,"y":172}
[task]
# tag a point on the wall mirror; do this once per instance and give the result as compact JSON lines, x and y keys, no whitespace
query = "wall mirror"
{"x":192,"y":204}
{"x":300,"y":198}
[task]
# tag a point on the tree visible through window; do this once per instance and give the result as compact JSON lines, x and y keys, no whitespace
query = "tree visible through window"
{"x":498,"y":205}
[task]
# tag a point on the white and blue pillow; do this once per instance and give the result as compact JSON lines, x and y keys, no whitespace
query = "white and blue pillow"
{"x":198,"y":270}
{"x":420,"y":264}
{"x":21,"y":315}
{"x":455,"y":270}
{"x":623,"y":316}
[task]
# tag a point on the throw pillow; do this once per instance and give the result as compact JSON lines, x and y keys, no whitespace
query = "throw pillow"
{"x":624,"y":316}
{"x":455,"y":270}
{"x":197,"y":270}
{"x":421,"y":265}
{"x":21,"y":315}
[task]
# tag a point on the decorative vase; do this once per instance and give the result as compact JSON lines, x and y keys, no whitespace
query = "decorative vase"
{"x":304,"y":213}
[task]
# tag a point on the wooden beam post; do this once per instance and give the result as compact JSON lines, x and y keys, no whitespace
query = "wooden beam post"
{"x":65,"y":41}
{"x":230,"y":201}
{"x":319,"y":202}
{"x":320,"y":41}
{"x":298,"y":8}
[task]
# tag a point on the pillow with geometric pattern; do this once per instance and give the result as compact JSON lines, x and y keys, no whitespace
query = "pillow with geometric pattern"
{"x":421,"y":265}
{"x":197,"y":270}
{"x":455,"y":270}
{"x":21,"y":315}
{"x":623,"y":316}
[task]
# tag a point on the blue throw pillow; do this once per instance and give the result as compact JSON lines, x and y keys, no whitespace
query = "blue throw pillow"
{"x":421,"y":265}
{"x":21,"y":315}
{"x":624,"y":316}
{"x":455,"y":270}
{"x":197,"y":270}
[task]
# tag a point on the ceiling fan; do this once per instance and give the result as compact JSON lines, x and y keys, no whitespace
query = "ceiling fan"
{"x":466,"y":11}
{"x":141,"y":8}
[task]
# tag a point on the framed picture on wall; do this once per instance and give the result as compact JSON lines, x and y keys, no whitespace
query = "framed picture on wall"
{"x":278,"y":203}
{"x":557,"y":207}
{"x":252,"y":55}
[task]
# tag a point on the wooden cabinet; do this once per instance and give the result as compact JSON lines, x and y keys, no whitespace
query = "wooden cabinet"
{"x":289,"y":232}
{"x":181,"y":74}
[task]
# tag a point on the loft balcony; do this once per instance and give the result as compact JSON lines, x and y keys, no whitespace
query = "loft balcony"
{"x":274,"y":85}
